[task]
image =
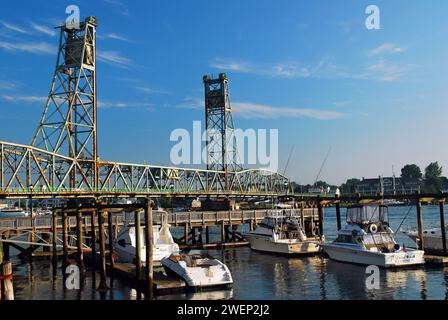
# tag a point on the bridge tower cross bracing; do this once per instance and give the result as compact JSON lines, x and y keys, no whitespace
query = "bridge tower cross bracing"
{"x":69,"y":122}
{"x":222,"y":153}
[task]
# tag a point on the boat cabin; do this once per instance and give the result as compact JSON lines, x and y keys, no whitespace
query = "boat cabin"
{"x":365,"y":215}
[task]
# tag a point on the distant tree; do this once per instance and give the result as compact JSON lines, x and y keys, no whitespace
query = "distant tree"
{"x":433,"y":177}
{"x":321,"y":184}
{"x":349,"y":185}
{"x":411,"y":172}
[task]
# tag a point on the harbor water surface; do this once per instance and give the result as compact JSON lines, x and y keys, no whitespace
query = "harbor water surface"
{"x":263,"y":276}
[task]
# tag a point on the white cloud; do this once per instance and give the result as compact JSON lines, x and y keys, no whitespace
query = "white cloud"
{"x":192,"y":103}
{"x":386,"y":48}
{"x":124,"y":105}
{"x":13,"y":27}
{"x":113,"y":57}
{"x":259,"y":111}
{"x":277,"y":70}
{"x":43,"y":29}
{"x":119,"y":6}
{"x":118,"y":37}
{"x":385,"y":71}
{"x":250,"y":110}
{"x":149,"y":90}
{"x":26,"y":99}
{"x":30,"y":47}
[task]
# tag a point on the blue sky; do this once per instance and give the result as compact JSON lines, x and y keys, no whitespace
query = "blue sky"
{"x":308,"y":68}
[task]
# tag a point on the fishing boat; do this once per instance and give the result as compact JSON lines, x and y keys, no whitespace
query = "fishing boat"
{"x":198,"y":269}
{"x":164,"y":245}
{"x":432,"y":239}
{"x":281,"y":232}
{"x":367,"y":239}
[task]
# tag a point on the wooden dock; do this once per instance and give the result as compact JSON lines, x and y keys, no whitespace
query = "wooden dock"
{"x":163,"y":283}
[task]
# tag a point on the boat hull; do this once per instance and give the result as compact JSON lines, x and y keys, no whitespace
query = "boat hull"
{"x":196,"y":277}
{"x":385,"y":260}
{"x":265,"y":244}
{"x":431,"y":243}
{"x":127,"y":254}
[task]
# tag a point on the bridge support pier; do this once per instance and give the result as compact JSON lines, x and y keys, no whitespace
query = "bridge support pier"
{"x":93,"y":237}
{"x":64,"y":238}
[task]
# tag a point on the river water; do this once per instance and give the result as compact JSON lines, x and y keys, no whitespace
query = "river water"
{"x":262,"y":276}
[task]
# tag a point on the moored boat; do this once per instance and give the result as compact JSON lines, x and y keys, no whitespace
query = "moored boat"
{"x":281,"y":232}
{"x":198,"y":269}
{"x":432,"y":239}
{"x":367,"y":239}
{"x":164,"y":245}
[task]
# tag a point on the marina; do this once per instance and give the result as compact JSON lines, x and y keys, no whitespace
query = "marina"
{"x":216,"y":221}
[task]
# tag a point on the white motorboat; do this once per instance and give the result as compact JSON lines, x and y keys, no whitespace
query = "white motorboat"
{"x":13,"y":213}
{"x":367,"y":239}
{"x":432,"y":239}
{"x":164,"y":245}
{"x":281,"y":232}
{"x":198,"y":269}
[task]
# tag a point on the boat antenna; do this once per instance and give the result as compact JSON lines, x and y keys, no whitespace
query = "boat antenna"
{"x":289,"y":159}
{"x":322,"y":166}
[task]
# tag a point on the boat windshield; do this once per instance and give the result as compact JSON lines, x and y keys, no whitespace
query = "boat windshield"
{"x":367,"y":214}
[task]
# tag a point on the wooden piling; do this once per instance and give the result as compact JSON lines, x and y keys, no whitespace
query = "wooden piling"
{"x":338,"y":214}
{"x":442,"y":224}
{"x":103,"y":279}
{"x":79,"y":235}
{"x":55,"y":238}
{"x":138,"y":245}
{"x":186,"y":234}
{"x":421,"y":244}
{"x":223,"y":232}
{"x":320,"y":211}
{"x":149,"y":237}
{"x":64,"y":237}
{"x":7,"y":288}
{"x":207,"y":234}
{"x":93,"y":235}
{"x":110,"y":223}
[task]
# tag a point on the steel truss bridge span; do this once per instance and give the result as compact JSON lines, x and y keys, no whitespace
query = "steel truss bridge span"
{"x":28,"y":171}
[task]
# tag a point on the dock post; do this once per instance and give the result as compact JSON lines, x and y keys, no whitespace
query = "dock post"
{"x":442,"y":223}
{"x":55,"y":238}
{"x":93,"y":234}
{"x":149,"y":237}
{"x":79,"y":230}
{"x":64,"y":237}
{"x":320,"y":211}
{"x":110,"y":222}
{"x":338,"y":213}
{"x":186,"y":234}
{"x":7,"y":288}
{"x":138,"y":245}
{"x":421,"y":244}
{"x":223,"y":232}
{"x":207,"y":234}
{"x":103,"y":279}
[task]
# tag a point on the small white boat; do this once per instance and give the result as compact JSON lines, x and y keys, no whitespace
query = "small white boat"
{"x":432,"y":239}
{"x":198,"y":269}
{"x":282,"y":233}
{"x":164,"y":245}
{"x":13,"y":213}
{"x":367,"y":239}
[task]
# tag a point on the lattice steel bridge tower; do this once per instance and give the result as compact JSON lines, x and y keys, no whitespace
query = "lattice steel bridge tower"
{"x":69,"y":122}
{"x":222,"y":154}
